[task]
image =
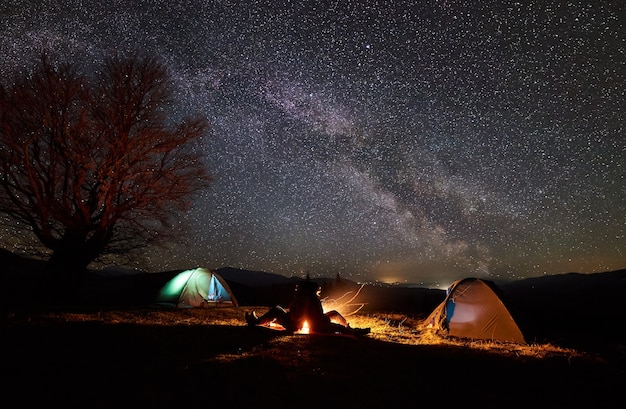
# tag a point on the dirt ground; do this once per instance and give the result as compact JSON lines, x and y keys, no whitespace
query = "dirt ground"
{"x":198,"y":358}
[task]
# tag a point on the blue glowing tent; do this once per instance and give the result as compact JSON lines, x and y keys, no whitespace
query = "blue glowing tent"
{"x":198,"y":287}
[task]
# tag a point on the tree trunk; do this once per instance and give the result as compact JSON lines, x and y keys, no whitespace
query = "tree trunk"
{"x":65,"y":273}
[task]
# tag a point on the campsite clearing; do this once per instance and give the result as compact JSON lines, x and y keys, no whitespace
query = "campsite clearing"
{"x":166,"y":357}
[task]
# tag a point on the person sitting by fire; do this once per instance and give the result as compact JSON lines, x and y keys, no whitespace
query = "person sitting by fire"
{"x":305,"y":309}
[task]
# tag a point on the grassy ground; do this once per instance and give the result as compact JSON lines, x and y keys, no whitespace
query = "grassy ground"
{"x":166,"y":358}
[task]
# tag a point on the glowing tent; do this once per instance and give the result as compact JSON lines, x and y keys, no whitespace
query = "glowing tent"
{"x":196,"y":288}
{"x":472,"y":309}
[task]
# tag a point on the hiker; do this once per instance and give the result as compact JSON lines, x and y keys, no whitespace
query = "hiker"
{"x":306,"y":306}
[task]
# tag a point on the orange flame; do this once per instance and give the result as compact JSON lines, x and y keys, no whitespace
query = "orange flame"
{"x":305,"y":328}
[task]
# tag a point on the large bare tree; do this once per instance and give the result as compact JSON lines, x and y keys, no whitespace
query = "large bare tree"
{"x":96,"y":164}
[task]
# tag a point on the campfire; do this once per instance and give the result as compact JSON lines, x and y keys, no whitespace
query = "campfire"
{"x":305,"y":328}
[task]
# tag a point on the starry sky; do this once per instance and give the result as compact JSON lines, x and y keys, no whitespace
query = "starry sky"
{"x":405,"y":141}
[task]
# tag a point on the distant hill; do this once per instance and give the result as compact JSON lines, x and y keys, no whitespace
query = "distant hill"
{"x":557,"y":306}
{"x":14,"y":263}
{"x":261,"y":288}
{"x":251,"y":278}
{"x":568,"y":282}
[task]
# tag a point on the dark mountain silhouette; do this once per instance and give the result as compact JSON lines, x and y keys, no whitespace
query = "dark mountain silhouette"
{"x":267,"y":289}
{"x":251,"y":278}
{"x":570,"y":309}
{"x":568,"y":282}
{"x":11,"y":263}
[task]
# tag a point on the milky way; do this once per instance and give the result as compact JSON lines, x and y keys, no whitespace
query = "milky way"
{"x":393,"y":141}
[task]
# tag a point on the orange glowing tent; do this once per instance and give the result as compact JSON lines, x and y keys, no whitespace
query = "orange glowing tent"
{"x":473,"y":309}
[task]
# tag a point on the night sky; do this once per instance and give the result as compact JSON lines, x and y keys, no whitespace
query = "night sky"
{"x":413,"y":142}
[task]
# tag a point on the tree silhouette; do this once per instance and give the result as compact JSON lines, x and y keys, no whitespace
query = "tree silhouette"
{"x":95,"y":164}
